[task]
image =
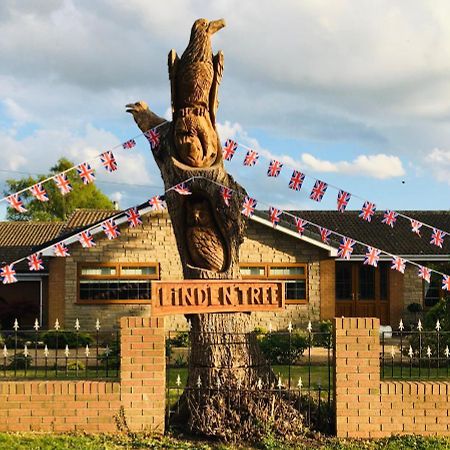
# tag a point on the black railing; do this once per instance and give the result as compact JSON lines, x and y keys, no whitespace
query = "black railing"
{"x":415,"y":353}
{"x":295,"y":366}
{"x":59,"y":354}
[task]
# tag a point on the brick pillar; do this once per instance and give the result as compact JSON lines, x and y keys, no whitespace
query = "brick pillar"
{"x":357,"y":377}
{"x":143,"y":372}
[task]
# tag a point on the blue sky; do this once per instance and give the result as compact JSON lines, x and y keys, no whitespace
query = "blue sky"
{"x":353,"y":93}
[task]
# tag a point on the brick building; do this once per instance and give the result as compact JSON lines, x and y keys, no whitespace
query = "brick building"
{"x":113,"y":279}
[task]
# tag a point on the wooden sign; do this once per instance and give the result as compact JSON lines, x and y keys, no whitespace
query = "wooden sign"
{"x":208,"y":296}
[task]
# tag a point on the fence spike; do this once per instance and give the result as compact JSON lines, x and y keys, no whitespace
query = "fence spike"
{"x":199,"y":382}
{"x":259,"y":384}
{"x":86,"y":351}
{"x":66,"y":351}
{"x":410,"y":352}
{"x":270,"y":327}
{"x":77,"y":325}
{"x":218,"y":382}
{"x":97,"y":325}
{"x":401,"y":327}
{"x":447,"y":352}
{"x":178,"y":382}
{"x":36,"y":325}
{"x":57,"y":326}
{"x":239,"y":383}
{"x":5,"y":351}
{"x":46,"y":351}
{"x":419,"y":325}
{"x":392,"y":351}
{"x":438,"y":326}
{"x":280,"y":384}
{"x":309,"y":327}
{"x":16,"y":325}
{"x":300,"y":383}
{"x":429,"y":352}
{"x":290,"y":327}
{"x":25,"y":351}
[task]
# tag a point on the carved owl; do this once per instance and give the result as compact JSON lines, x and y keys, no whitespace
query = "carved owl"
{"x":204,"y":243}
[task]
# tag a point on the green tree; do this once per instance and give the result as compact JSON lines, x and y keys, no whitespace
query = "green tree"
{"x":60,"y":206}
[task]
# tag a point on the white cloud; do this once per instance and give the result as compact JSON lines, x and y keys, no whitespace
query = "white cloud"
{"x":438,"y":164}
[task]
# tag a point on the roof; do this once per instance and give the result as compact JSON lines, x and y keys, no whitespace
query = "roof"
{"x":81,"y":218}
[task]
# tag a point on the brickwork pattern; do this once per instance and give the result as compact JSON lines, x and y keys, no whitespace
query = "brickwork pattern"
{"x":369,"y":408}
{"x":91,"y":406}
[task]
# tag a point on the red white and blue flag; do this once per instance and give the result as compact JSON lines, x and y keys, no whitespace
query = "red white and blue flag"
{"x":251,"y":158}
{"x":367,"y":211}
{"x":389,"y":218}
{"x":63,"y":183}
{"x":437,"y":238}
{"x":157,"y":203}
{"x":248,"y":207}
{"x":416,"y":226}
{"x":318,"y":191}
{"x":153,"y":138}
{"x":345,"y":248}
{"x":296,"y":181}
{"x":8,"y":274}
{"x":16,"y":202}
{"x":372,"y":256}
{"x":275,"y":215}
{"x":182,"y":189}
{"x":86,"y":240}
{"x":129,"y":144}
{"x":35,"y":262}
{"x":38,"y":192}
{"x":133,"y":217}
{"x":398,"y":264}
{"x":274,"y":168}
{"x":111,"y":229}
{"x":61,"y":250}
{"x":446,"y":283}
{"x":424,"y":273}
{"x":229,"y":149}
{"x":226,"y":195}
{"x":108,"y":161}
{"x":300,"y":224}
{"x":342,"y":200}
{"x":86,"y":173}
{"x":325,"y":235}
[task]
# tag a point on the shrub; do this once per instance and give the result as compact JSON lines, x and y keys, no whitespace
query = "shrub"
{"x":414,"y":308}
{"x":324,"y":338}
{"x":75,"y":365}
{"x":180,"y":340}
{"x":19,"y":361}
{"x":66,"y":338}
{"x":111,"y":356}
{"x":275,"y":346}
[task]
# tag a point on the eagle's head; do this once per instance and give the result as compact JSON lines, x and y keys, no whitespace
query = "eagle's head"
{"x":205,"y":27}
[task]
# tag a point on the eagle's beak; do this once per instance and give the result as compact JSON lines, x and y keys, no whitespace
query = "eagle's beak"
{"x":130,"y":108}
{"x":215,"y":26}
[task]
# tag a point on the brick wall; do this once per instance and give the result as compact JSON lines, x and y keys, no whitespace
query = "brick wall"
{"x":91,"y":406}
{"x":369,"y":408}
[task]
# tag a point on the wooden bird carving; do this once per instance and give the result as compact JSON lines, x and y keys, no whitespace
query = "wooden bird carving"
{"x":194,"y":81}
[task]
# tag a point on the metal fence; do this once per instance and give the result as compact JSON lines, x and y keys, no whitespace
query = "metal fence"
{"x":59,"y":354}
{"x":298,"y":369}
{"x":415,"y":353}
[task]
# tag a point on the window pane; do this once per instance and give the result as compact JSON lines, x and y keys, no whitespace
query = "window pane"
{"x":366,"y":282}
{"x":287,"y":270}
{"x":295,"y":290}
{"x":115,"y":290}
{"x":384,"y":281}
{"x":138,"y":271}
{"x":98,"y":271}
{"x":252,"y":271}
{"x":343,"y":281}
{"x":431,"y":291}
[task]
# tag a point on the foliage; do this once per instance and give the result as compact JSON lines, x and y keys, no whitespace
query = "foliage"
{"x":414,"y":308}
{"x":66,"y":338}
{"x":324,"y":333}
{"x":75,"y":365}
{"x":60,"y":206}
{"x":111,"y":356}
{"x":283,"y":348}
{"x":180,"y":340}
{"x":20,"y":362}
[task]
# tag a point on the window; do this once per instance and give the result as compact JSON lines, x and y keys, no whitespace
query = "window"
{"x":344,"y":281}
{"x":366,"y":282}
{"x":116,"y":283}
{"x":294,"y":276}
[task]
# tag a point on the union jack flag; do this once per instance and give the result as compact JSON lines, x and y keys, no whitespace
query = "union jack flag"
{"x":274,"y":168}
{"x":16,"y":202}
{"x":372,"y":256}
{"x":416,"y":226}
{"x":300,"y":224}
{"x":446,"y":283}
{"x":182,"y":189}
{"x":345,"y":248}
{"x":133,"y":217}
{"x":86,"y":173}
{"x":226,"y":195}
{"x":367,"y":211}
{"x":8,"y":274}
{"x":39,"y":192}
{"x":61,"y":250}
{"x":437,"y":238}
{"x":129,"y":144}
{"x":153,"y":138}
{"x":275,"y":215}
{"x":35,"y":262}
{"x":398,"y":264}
{"x":425,"y":273}
{"x":63,"y":184}
{"x":325,"y":235}
{"x":86,"y":239}
{"x":248,"y":207}
{"x":228,"y":149}
{"x":342,"y":200}
{"x":108,"y":161}
{"x":251,"y":158}
{"x":157,"y":203}
{"x":318,"y":191}
{"x":389,"y":218}
{"x":111,"y":229}
{"x":297,"y":179}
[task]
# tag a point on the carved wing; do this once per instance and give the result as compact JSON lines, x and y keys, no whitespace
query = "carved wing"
{"x":173,"y":65}
{"x":214,"y":93}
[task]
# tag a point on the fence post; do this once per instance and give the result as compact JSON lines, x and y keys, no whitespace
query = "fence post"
{"x":357,"y":377}
{"x":143,"y":372}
